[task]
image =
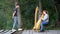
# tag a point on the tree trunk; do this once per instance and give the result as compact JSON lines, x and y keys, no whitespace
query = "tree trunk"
{"x":40,"y":9}
{"x":19,"y":14}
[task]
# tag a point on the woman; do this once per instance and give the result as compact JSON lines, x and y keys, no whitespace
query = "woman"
{"x":45,"y":19}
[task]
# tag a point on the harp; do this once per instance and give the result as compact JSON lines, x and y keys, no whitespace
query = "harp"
{"x":37,"y":23}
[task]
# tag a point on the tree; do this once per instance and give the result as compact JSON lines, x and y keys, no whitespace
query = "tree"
{"x":18,"y":13}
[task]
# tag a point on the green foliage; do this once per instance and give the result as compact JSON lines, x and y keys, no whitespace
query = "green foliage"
{"x":49,"y":5}
{"x":27,"y":11}
{"x":6,"y":9}
{"x":27,"y":8}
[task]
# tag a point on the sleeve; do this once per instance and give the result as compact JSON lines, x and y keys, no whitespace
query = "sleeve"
{"x":45,"y":17}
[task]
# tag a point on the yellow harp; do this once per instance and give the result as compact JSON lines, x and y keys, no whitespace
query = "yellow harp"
{"x":37,"y":23}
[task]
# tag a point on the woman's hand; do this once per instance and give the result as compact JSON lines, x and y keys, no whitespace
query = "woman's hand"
{"x":42,"y":19}
{"x":12,"y":17}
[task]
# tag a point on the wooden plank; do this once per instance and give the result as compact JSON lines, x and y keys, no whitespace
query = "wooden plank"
{"x":46,"y":32}
{"x":23,"y":31}
{"x":18,"y":32}
{"x":9,"y":32}
{"x":27,"y":32}
{"x":31,"y":31}
{"x":1,"y":30}
{"x":58,"y":32}
{"x":6,"y":31}
{"x":2,"y":33}
{"x":52,"y":32}
{"x":36,"y":32}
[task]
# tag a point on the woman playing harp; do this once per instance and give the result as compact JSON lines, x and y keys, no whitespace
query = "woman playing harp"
{"x":45,"y":19}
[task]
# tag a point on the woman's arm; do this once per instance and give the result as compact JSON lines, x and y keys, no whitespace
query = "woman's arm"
{"x":45,"y":17}
{"x":13,"y":14}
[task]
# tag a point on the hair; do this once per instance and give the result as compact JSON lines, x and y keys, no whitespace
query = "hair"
{"x":17,"y":4}
{"x":46,"y":11}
